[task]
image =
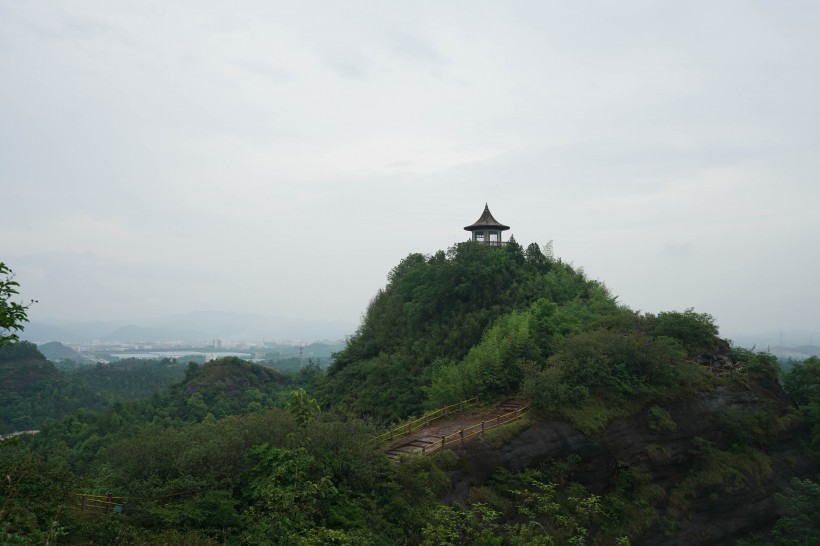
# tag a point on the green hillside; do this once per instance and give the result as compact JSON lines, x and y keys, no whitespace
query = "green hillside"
{"x":32,"y":390}
{"x":479,"y":320}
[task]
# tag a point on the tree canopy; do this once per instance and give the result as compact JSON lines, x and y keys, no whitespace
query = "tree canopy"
{"x":12,"y":313}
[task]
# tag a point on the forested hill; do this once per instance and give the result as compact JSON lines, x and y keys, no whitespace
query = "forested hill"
{"x":32,"y":389}
{"x":423,"y":332}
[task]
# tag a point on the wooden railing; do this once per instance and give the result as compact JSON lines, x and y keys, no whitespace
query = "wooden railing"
{"x":465,"y":434}
{"x":424,"y":420}
{"x":101,"y":503}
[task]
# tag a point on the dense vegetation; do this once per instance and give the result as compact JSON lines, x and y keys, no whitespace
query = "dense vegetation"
{"x":13,"y":313}
{"x":478,"y":319}
{"x":34,"y":389}
{"x":236,"y":453}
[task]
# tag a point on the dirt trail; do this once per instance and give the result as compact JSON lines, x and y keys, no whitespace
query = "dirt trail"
{"x":429,"y":437}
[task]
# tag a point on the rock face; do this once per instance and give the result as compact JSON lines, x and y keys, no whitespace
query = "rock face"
{"x":719,"y":357}
{"x":713,"y":515}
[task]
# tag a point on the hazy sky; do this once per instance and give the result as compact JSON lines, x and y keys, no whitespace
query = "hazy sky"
{"x":280,"y":157}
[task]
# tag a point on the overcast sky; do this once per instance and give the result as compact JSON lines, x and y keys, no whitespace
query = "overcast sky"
{"x":281,"y":157}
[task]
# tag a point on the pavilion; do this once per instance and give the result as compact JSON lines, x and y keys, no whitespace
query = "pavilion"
{"x":487,"y":230}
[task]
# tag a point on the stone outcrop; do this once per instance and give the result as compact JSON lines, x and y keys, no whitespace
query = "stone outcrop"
{"x":714,"y":515}
{"x":719,"y":357}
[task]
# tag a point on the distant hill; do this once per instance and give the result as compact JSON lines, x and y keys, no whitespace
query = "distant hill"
{"x":33,"y":390}
{"x":56,"y":351}
{"x":776,"y":338}
{"x":133,"y":333}
{"x":22,"y":366}
{"x":37,"y":332}
{"x":796,"y":353}
{"x":130,"y":378}
{"x":232,"y":376}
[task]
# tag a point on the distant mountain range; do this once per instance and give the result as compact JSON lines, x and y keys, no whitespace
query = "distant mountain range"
{"x":796,"y":353}
{"x":781,"y":339}
{"x":194,"y":327}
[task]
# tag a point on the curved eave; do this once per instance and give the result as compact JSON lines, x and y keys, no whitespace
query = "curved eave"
{"x":486,"y":221}
{"x":479,"y":227}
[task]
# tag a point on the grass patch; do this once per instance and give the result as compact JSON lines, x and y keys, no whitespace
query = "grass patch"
{"x":656,"y":453}
{"x":505,"y":434}
{"x":489,"y":497}
{"x":660,"y":420}
{"x":446,"y":459}
{"x":630,"y":508}
{"x":593,"y":414}
{"x":719,"y":471}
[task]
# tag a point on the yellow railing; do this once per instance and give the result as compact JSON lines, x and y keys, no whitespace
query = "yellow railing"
{"x":459,"y":437}
{"x":424,"y":420}
{"x":101,"y":503}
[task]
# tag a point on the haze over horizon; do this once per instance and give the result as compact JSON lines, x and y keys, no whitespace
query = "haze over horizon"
{"x":280,"y":159}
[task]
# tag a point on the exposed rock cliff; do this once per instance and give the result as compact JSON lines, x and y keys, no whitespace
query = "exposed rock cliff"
{"x":720,"y":457}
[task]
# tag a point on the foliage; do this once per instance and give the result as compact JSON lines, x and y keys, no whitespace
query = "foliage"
{"x":660,"y":420}
{"x":630,"y":508}
{"x":717,"y":469}
{"x":34,"y":494}
{"x":500,"y":436}
{"x":697,"y":332}
{"x":32,"y":390}
{"x":763,"y":365}
{"x":801,"y":523}
{"x":802,"y":382}
{"x":596,"y":376}
{"x":288,"y":491}
{"x":532,"y":507}
{"x":302,"y":407}
{"x":743,"y":427}
{"x":12,"y":314}
{"x":456,"y":526}
{"x":128,"y":379}
{"x":436,"y":309}
{"x":491,"y":369}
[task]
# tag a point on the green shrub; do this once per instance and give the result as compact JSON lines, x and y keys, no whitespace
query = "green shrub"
{"x":660,"y":420}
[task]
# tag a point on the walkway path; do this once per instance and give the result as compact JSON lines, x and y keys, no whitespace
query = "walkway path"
{"x":19,"y":433}
{"x":451,"y":432}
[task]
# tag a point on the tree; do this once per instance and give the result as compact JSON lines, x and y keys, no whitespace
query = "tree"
{"x":302,"y":407}
{"x":800,"y":525}
{"x":697,"y":332}
{"x":802,"y":382}
{"x":12,"y":314}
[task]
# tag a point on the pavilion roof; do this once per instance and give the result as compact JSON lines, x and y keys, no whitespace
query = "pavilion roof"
{"x":486,"y":222}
